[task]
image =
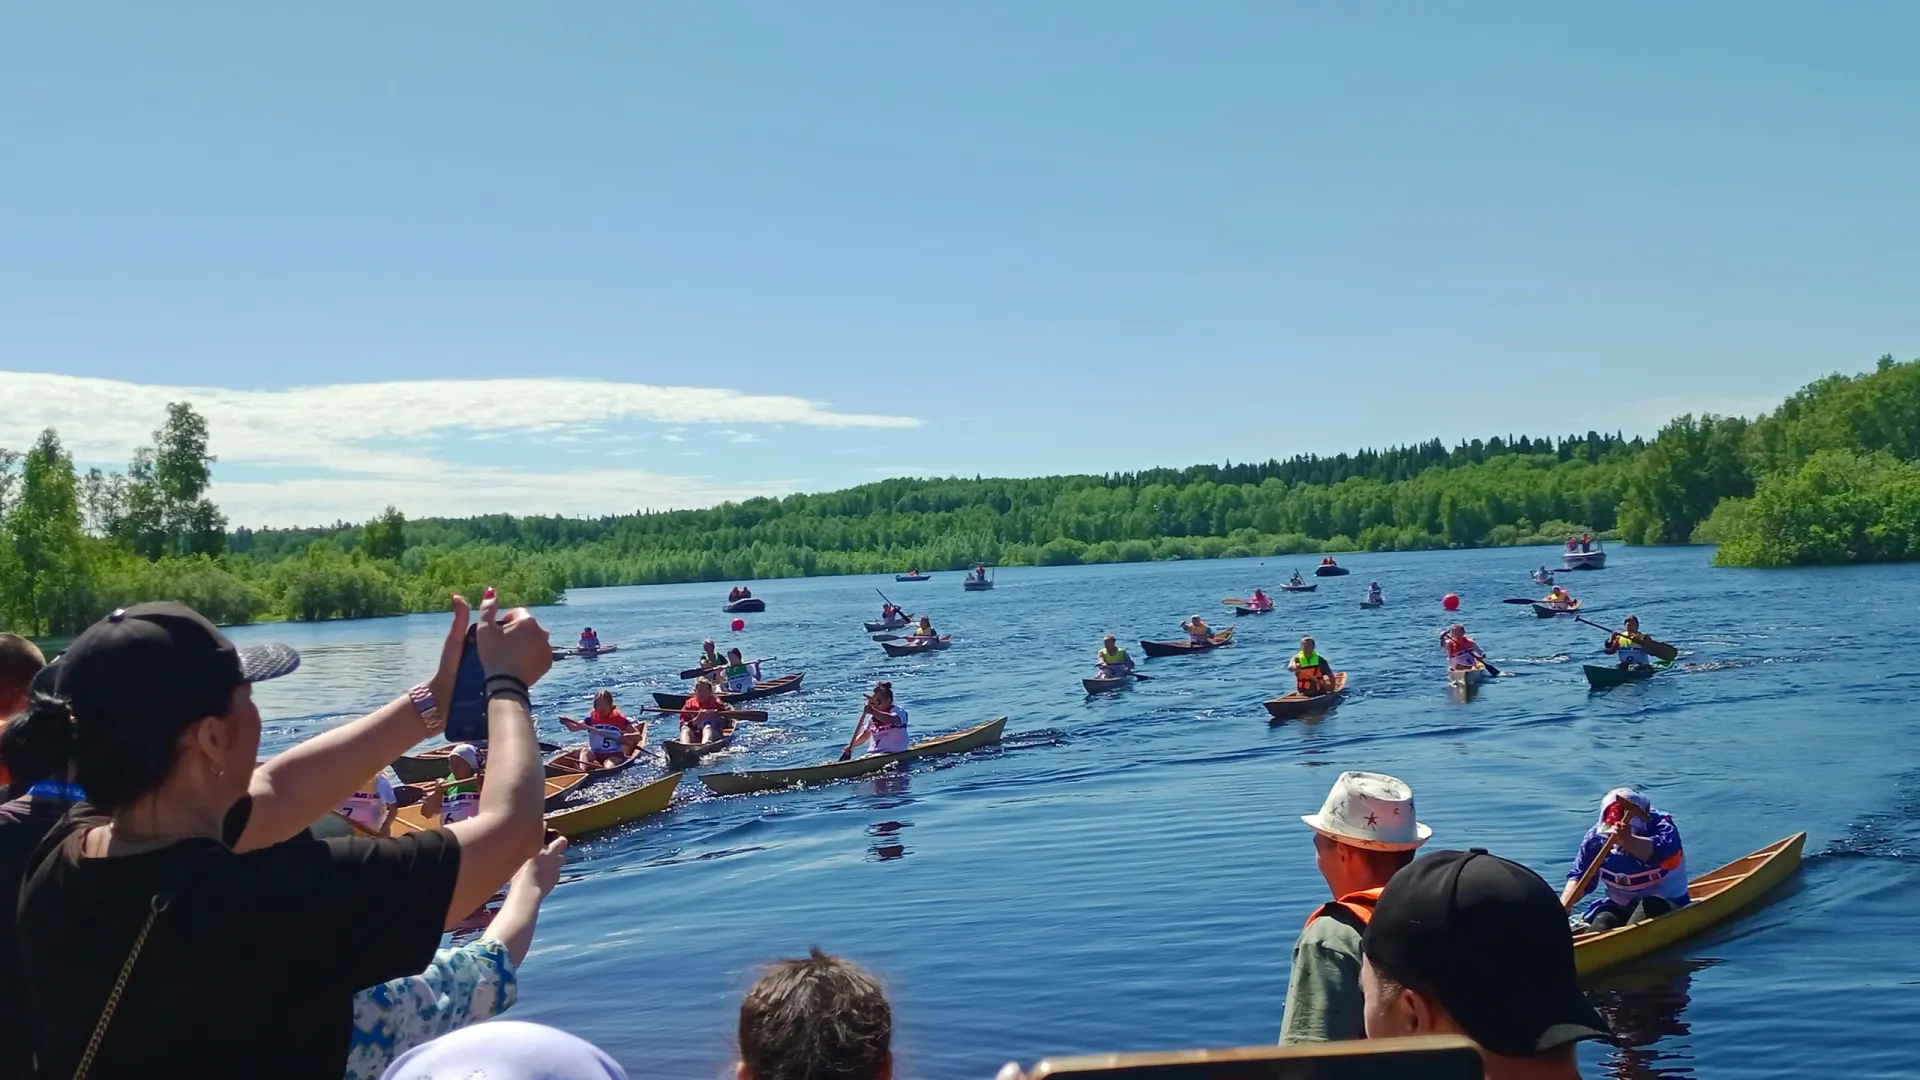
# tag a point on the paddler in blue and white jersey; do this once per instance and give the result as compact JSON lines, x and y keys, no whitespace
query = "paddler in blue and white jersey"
{"x":1629,"y":646}
{"x":1644,"y":873}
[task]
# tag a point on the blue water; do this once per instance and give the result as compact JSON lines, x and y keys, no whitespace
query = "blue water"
{"x":1129,"y":872}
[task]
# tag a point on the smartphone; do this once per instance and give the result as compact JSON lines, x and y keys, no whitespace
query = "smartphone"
{"x":1433,"y":1057}
{"x":467,"y":711}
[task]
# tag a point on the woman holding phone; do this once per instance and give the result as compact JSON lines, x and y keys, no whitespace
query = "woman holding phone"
{"x":148,"y":914}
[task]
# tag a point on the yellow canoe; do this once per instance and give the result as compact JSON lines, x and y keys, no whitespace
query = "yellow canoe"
{"x":578,"y":821}
{"x":1717,"y":897}
{"x":409,"y":818}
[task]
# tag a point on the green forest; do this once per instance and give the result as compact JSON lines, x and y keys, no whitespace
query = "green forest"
{"x":1830,"y":476}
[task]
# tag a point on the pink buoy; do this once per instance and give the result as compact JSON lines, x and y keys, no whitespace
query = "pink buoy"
{"x":739,"y":625}
{"x":1451,"y":602}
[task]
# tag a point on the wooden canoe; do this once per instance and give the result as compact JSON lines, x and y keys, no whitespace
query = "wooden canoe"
{"x":1253,"y":611}
{"x":1717,"y":897}
{"x":913,"y":577}
{"x":410,"y":819}
{"x":763,"y":688}
{"x":584,"y":654}
{"x":1467,"y":677}
{"x":1289,"y":706}
{"x":1102,"y":685}
{"x":976,"y":585}
{"x":1300,"y":588}
{"x":1372,"y":603}
{"x":1183,"y":648}
{"x":430,"y":765}
{"x":1601,"y":678}
{"x":744,"y":607}
{"x":913,"y":648}
{"x":877,"y":627}
{"x":573,"y":762}
{"x":615,"y":810}
{"x":681,"y":755}
{"x":737,"y":783}
{"x":1548,"y":611}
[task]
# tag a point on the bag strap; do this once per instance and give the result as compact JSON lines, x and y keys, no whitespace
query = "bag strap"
{"x":161,"y":901}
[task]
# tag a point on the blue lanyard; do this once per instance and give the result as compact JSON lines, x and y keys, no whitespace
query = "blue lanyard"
{"x":54,"y":789}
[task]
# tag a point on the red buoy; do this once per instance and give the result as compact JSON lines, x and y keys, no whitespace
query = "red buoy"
{"x":1451,"y":602}
{"x":739,"y":625}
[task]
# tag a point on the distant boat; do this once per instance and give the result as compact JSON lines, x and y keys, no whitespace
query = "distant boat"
{"x":913,"y":577}
{"x":1596,"y":559}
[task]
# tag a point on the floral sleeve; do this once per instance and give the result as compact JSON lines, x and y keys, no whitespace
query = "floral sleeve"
{"x":462,"y":986}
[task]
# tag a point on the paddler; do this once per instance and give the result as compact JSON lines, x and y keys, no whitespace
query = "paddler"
{"x":589,"y":641}
{"x":739,"y":674}
{"x":710,"y":657}
{"x":700,"y":718}
{"x":881,"y":722}
{"x":1364,"y":832}
{"x":611,"y":737}
{"x":1629,"y":646}
{"x":1296,"y":579}
{"x":456,"y":798}
{"x":889,"y":613}
{"x":1645,"y":873}
{"x":1558,"y":597}
{"x":1311,"y":672}
{"x":924,"y":631}
{"x":1113,"y":660}
{"x":1461,"y":650}
{"x":1198,"y":632}
{"x":372,"y":806}
{"x":1260,"y":601}
{"x":1373,"y":593}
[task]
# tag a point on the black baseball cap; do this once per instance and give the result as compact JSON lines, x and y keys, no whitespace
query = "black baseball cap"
{"x":160,"y":663}
{"x":1488,"y":938}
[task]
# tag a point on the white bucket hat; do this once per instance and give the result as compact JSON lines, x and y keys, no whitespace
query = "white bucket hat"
{"x":1372,"y":811}
{"x":466,"y":752}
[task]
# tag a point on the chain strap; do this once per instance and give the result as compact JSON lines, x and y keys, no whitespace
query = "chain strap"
{"x":160,"y":904}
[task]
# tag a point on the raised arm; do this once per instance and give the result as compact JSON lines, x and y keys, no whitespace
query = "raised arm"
{"x":505,"y":831}
{"x":296,"y":787}
{"x":513,"y":926}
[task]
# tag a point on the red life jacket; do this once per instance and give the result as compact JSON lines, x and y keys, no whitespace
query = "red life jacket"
{"x":1358,"y":904}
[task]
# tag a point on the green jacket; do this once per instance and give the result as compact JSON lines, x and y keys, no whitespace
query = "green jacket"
{"x":1323,"y":992}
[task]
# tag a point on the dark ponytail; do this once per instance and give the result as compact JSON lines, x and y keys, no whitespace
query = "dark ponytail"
{"x":38,"y":744}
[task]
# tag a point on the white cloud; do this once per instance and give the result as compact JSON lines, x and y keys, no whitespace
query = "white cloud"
{"x":380,"y":443}
{"x":670,"y":437}
{"x":744,"y":437}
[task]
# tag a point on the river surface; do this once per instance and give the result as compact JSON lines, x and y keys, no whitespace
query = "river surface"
{"x":1129,"y":872}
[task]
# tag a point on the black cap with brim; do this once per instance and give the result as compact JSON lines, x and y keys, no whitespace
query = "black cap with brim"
{"x":1489,"y":938}
{"x":161,"y":662}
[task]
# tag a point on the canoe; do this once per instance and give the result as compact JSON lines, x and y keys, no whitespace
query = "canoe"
{"x":410,"y":819}
{"x":1182,"y":648}
{"x":763,"y":688}
{"x":682,"y":755}
{"x":615,"y":810}
{"x":1253,"y":611}
{"x":1542,"y":579}
{"x":431,"y":765}
{"x":334,"y":825}
{"x":750,"y":604}
{"x":1331,"y":571}
{"x":876,"y":627}
{"x":913,"y":577}
{"x":1467,"y":677}
{"x":736,"y":783}
{"x":1548,"y":611}
{"x":573,"y":763}
{"x":1717,"y":897}
{"x":1600,"y":678}
{"x":1372,"y":603}
{"x":976,"y":585}
{"x":584,"y":654}
{"x":1300,"y":588}
{"x":1102,"y":685}
{"x":1288,"y":706}
{"x":914,"y":648}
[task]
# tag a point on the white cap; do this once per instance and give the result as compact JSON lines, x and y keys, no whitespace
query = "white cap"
{"x":506,"y":1050}
{"x":468,"y":753}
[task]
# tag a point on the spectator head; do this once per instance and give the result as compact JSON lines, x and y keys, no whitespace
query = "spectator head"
{"x":160,"y":705}
{"x":20,"y":661}
{"x":506,"y":1050}
{"x":1467,"y":943}
{"x":816,"y":1018}
{"x":1365,"y":831}
{"x":464,"y":761}
{"x":30,"y":753}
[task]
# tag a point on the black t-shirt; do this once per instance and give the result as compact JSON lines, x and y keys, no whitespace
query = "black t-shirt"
{"x":24,"y":822}
{"x":251,"y":970}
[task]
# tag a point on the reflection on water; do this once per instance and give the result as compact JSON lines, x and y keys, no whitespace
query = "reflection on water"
{"x":1644,"y":1007}
{"x":886,"y":845}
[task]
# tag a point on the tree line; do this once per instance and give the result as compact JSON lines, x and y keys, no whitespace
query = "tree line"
{"x":1831,"y":476}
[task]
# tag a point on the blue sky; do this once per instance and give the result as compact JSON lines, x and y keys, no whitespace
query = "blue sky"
{"x":874,"y":239}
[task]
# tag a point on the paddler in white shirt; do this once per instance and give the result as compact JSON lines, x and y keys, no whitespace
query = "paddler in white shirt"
{"x":881,"y":722}
{"x":372,"y":806}
{"x":457,"y":798}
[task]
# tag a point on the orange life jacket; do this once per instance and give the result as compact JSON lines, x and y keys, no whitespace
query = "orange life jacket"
{"x":1358,"y":904}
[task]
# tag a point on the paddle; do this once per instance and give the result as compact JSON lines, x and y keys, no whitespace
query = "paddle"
{"x":696,"y":672}
{"x":847,"y":754}
{"x":753,"y":715}
{"x":1658,"y":648}
{"x":1586,"y":879}
{"x":1235,"y":601}
{"x":1520,"y":600}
